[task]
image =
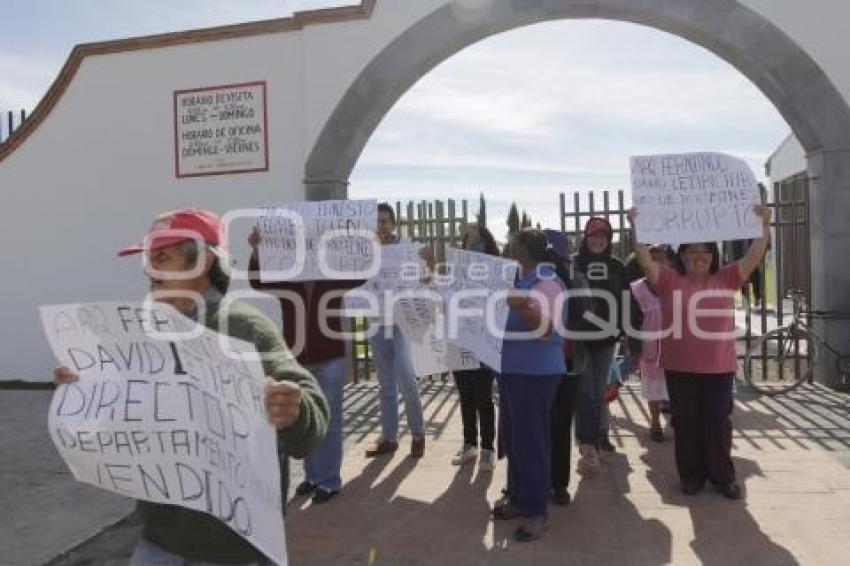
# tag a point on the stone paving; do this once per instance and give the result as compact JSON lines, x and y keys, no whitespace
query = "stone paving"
{"x":792,"y":455}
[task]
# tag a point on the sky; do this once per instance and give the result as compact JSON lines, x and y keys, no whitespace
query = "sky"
{"x":521,"y":116}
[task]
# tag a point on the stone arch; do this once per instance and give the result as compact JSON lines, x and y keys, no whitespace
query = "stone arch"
{"x":798,"y":88}
{"x":789,"y":78}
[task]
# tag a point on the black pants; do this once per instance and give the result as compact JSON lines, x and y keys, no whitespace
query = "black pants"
{"x":702,"y":411}
{"x":476,"y":406}
{"x":563,"y":408}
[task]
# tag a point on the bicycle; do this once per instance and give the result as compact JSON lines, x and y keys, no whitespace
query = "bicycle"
{"x":795,"y":342}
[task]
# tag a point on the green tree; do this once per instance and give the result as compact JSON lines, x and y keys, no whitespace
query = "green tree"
{"x":526,"y":221}
{"x":482,"y":211}
{"x":513,"y":220}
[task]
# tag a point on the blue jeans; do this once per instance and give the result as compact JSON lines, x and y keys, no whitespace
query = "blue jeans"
{"x":322,"y":465}
{"x":149,"y":554}
{"x":591,"y":412}
{"x":395,"y":371}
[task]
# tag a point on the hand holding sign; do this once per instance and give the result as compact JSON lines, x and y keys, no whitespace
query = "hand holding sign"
{"x":765,"y":213}
{"x":283,"y":403}
{"x":254,"y":238}
{"x":631,"y":215}
{"x":63,"y":375}
{"x":283,"y":398}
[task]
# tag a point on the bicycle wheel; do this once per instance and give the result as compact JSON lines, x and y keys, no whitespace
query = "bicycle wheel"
{"x":780,"y":361}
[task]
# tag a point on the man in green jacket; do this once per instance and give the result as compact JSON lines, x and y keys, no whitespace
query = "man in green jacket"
{"x":185,"y":253}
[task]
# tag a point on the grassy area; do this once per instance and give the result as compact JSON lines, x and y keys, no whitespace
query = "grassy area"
{"x":26,"y":385}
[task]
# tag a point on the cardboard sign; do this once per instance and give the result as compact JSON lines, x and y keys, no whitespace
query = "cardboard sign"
{"x":166,"y":411}
{"x":694,"y":197}
{"x":420,"y":316}
{"x":400,"y":269}
{"x":476,"y":306}
{"x":221,"y":130}
{"x":308,"y":241}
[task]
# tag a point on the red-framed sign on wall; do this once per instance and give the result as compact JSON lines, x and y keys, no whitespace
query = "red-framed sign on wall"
{"x":221,"y":130}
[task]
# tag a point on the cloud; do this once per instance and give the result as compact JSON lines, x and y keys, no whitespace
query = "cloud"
{"x":32,"y":55}
{"x":23,"y":76}
{"x":569,"y":102}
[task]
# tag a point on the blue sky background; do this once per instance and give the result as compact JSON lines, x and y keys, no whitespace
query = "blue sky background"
{"x":558,"y":106}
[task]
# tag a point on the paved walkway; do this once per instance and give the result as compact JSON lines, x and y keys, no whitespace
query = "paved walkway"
{"x":792,"y":455}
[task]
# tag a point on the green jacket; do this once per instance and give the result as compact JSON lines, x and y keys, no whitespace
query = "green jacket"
{"x":199,"y":536}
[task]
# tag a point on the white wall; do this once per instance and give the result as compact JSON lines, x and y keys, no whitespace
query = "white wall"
{"x":94,"y":173}
{"x":819,"y":27}
{"x":788,"y":160}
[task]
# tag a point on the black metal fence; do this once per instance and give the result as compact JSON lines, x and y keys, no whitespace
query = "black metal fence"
{"x":11,"y":122}
{"x":581,"y":205}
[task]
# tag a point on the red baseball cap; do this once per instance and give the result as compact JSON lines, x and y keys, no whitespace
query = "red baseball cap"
{"x":180,"y":225}
{"x":597,"y":225}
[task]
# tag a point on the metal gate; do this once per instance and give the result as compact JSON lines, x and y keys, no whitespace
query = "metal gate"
{"x":13,"y":121}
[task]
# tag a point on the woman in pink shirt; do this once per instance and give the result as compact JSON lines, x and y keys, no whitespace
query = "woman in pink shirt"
{"x":698,"y":353}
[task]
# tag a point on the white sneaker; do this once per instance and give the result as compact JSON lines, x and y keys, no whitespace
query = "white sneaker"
{"x":466,"y":454}
{"x":487,"y":462}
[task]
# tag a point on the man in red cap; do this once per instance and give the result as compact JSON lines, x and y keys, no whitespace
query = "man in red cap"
{"x":186,"y":258}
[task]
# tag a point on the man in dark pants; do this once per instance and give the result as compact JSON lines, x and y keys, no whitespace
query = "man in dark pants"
{"x":322,"y":354}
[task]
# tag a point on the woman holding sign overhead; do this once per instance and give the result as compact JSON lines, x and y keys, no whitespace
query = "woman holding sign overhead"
{"x":532,"y":367}
{"x":699,"y":357}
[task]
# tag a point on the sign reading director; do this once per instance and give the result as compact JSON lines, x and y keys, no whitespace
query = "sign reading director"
{"x":169,"y":412}
{"x":221,"y":129}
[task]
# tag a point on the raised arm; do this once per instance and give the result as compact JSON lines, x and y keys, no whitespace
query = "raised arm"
{"x":650,"y":269}
{"x":756,"y":251}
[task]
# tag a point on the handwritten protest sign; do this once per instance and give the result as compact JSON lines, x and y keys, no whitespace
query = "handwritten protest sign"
{"x":308,"y":241}
{"x":694,"y":197}
{"x":475,"y":295}
{"x":420,"y":316}
{"x":166,"y":419}
{"x":400,"y":269}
